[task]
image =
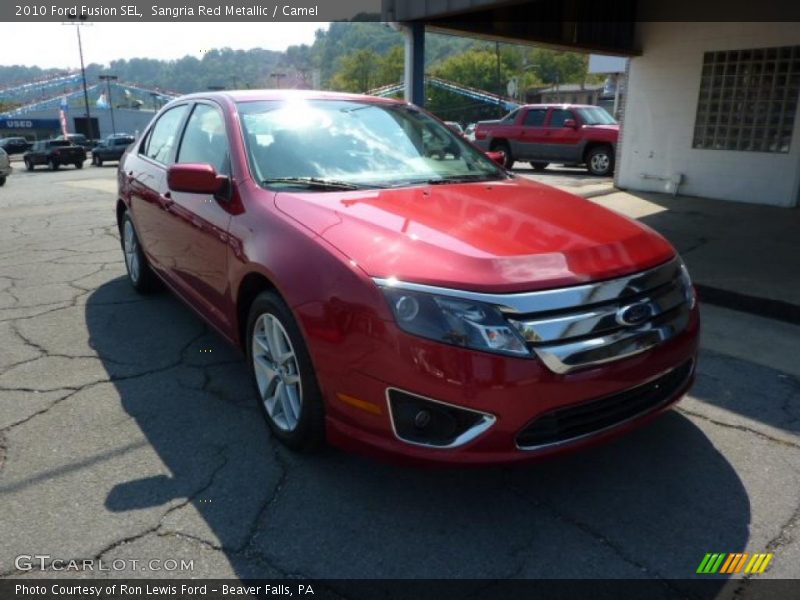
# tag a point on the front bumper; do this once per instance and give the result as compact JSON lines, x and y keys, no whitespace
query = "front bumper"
{"x":516,"y":392}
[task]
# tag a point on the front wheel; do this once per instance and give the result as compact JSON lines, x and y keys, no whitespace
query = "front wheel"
{"x":140,"y":274}
{"x":52,"y":164}
{"x":28,"y":164}
{"x":78,"y":165}
{"x":539,"y":166}
{"x":284,"y":378}
{"x":600,"y":160}
{"x":503,"y":147}
{"x":2,"y":181}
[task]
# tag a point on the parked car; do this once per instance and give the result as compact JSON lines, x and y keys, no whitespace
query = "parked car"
{"x":5,"y":167}
{"x":14,"y":145}
{"x":54,"y":153}
{"x":111,"y":148}
{"x":79,"y":139}
{"x":455,"y":126}
{"x":554,"y":133}
{"x":396,"y":291}
{"x":469,"y":132}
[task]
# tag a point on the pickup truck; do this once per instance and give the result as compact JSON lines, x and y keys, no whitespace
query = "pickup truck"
{"x":553,"y":133}
{"x":54,"y":153}
{"x":111,"y":148}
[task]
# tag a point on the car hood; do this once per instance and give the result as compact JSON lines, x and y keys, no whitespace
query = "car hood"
{"x":614,"y":128}
{"x":512,"y":235}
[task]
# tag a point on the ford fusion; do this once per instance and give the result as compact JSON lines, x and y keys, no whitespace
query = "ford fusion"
{"x":394,"y":289}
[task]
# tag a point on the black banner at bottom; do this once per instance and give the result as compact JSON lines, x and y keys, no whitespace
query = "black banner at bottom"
{"x":27,"y":588}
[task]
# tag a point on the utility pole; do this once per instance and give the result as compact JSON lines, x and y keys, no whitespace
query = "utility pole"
{"x":499,"y":83}
{"x":108,"y":79}
{"x":81,"y":20}
{"x":278,"y":77}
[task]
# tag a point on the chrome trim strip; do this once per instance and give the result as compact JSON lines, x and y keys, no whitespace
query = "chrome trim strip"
{"x":470,"y":434}
{"x":564,"y":358}
{"x":556,"y":299}
{"x":572,"y":325}
{"x":577,"y":438}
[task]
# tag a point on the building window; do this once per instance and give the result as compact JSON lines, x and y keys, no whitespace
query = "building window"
{"x":748,"y":99}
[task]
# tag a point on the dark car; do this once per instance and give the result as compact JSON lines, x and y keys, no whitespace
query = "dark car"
{"x":54,"y":153}
{"x":79,"y":140}
{"x":396,"y":291}
{"x":15,"y":145}
{"x":111,"y":148}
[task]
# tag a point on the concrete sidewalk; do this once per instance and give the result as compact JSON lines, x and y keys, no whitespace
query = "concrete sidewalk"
{"x":741,"y":256}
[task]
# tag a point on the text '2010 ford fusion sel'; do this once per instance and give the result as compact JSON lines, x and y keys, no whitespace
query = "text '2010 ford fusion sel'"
{"x":397,"y":291}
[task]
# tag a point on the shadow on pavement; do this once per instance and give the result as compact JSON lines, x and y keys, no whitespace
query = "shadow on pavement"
{"x":648,"y":505}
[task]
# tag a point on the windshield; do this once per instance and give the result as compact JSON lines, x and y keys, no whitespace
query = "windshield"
{"x":355,"y":142}
{"x":59,"y":143}
{"x":596,"y":115}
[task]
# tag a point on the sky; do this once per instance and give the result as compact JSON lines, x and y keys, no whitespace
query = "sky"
{"x":55,"y":45}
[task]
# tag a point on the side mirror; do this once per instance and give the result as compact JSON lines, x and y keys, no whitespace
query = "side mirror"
{"x":499,"y":157}
{"x":571,"y":123}
{"x":195,"y":178}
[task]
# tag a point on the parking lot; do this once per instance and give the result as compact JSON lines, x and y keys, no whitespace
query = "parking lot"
{"x":128,"y":431}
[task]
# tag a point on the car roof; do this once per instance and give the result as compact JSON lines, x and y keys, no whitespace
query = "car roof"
{"x":559,"y":105}
{"x":267,"y":94}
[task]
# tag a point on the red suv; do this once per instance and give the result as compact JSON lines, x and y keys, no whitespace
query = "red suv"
{"x":396,"y":290}
{"x":554,"y":133}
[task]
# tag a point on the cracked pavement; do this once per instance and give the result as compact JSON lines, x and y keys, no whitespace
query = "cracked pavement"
{"x":128,"y":430}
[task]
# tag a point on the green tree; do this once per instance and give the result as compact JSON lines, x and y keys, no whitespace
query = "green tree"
{"x":391,"y":66}
{"x":357,"y":72}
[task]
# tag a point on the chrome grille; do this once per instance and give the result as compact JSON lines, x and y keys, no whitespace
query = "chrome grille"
{"x":587,"y":325}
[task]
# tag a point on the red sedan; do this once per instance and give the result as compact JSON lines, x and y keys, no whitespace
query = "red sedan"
{"x":393,"y":288}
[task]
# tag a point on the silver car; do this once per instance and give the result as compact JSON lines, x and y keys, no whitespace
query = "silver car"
{"x":5,"y":167}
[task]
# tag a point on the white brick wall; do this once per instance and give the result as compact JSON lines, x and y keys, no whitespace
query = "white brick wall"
{"x":660,"y":113}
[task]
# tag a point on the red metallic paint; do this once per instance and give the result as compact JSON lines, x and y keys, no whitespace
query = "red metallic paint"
{"x":320,"y":250}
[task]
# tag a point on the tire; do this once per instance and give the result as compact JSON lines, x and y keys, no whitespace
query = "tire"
{"x":539,"y":166}
{"x":502,"y":146}
{"x":600,"y":161}
{"x":2,"y":181}
{"x":28,"y":164}
{"x":97,"y":161}
{"x":286,"y":390}
{"x":78,"y":165}
{"x":53,"y":165}
{"x":140,"y":275}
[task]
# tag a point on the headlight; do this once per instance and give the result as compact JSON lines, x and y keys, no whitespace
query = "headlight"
{"x":454,"y":321}
{"x":688,"y":288}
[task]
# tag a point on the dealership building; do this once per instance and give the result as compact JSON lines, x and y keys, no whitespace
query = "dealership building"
{"x":711,"y":108}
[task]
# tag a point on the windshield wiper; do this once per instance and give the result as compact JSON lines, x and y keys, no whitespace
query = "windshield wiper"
{"x":315,"y":182}
{"x":463,"y":179}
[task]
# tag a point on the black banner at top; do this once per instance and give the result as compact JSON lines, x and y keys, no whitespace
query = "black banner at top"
{"x":502,"y":11}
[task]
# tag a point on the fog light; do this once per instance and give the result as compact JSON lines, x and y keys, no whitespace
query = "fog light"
{"x":422,"y":419}
{"x":426,"y":422}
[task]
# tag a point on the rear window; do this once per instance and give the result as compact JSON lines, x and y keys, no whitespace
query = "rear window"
{"x":123,"y":141}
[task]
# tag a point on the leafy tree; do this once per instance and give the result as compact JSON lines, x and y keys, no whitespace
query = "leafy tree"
{"x":358,"y":72}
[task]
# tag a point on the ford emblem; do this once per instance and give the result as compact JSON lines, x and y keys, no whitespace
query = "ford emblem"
{"x":634,"y":314}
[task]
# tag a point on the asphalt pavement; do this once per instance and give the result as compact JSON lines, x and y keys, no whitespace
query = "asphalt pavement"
{"x":128,"y":430}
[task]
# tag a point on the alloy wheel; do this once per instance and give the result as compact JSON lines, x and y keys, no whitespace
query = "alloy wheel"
{"x":277,"y":372}
{"x":600,"y":162}
{"x":131,"y":247}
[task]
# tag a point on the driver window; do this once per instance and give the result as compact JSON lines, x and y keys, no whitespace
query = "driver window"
{"x":559,"y":116}
{"x":204,"y":140}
